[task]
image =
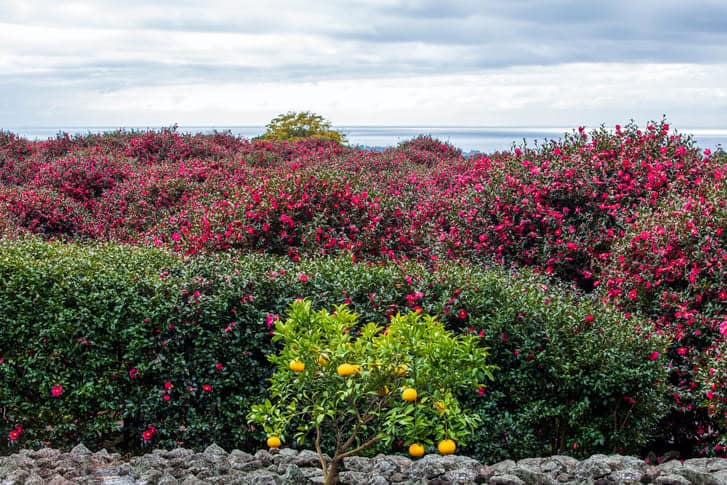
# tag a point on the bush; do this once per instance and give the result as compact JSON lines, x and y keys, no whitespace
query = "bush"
{"x":356,"y":385}
{"x":672,"y":266}
{"x":293,"y":126}
{"x":121,"y":328}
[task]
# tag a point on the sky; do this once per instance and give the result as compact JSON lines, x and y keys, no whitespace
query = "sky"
{"x":377,"y":62}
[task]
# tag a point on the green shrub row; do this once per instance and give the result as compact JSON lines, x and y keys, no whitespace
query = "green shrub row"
{"x":150,"y":349}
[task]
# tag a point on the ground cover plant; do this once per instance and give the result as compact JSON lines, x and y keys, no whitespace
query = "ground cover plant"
{"x":634,"y":217}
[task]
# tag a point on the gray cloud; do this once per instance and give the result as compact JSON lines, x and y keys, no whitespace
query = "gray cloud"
{"x":75,"y":49}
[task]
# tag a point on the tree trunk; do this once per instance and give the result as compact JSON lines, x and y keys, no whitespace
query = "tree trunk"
{"x":331,"y":478}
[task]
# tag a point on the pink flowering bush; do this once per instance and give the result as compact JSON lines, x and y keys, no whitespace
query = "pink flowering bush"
{"x":635,"y":216}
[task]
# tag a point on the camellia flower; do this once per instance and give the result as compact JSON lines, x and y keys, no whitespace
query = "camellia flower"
{"x":56,"y":390}
{"x":147,"y":435}
{"x":723,"y":328}
{"x":133,"y":373}
{"x":206,"y":387}
{"x":654,"y":355}
{"x":13,"y":435}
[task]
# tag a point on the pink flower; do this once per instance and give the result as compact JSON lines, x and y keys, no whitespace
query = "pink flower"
{"x":710,"y":394}
{"x":218,"y":366}
{"x":13,"y":435}
{"x":133,"y":373}
{"x":206,"y":387}
{"x":723,"y":328}
{"x":302,"y":277}
{"x":654,"y":355}
{"x":166,"y":396}
{"x":147,"y":435}
{"x":168,"y":385}
{"x":56,"y":390}
{"x":462,"y":314}
{"x":682,"y":351}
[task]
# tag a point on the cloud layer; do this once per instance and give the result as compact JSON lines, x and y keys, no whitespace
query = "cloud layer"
{"x":385,"y":61}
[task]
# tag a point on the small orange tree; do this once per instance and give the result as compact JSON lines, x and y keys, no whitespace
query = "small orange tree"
{"x":354,"y":385}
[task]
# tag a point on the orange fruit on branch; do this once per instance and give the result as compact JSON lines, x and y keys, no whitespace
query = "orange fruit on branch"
{"x":409,"y":394}
{"x":446,"y":447}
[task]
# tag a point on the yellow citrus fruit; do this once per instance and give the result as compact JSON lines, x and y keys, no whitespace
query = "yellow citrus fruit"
{"x":322,"y":360}
{"x":274,"y":442}
{"x":382,"y":391}
{"x":345,"y":370}
{"x":409,"y":394}
{"x":440,"y":405}
{"x":446,"y":447}
{"x":296,"y":365}
{"x":401,"y":370}
{"x":416,"y":450}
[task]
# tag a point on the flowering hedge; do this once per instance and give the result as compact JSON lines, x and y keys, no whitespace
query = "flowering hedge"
{"x":121,"y":346}
{"x":598,"y":210}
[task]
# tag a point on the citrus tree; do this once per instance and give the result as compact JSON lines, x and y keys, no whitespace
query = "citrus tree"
{"x":297,"y":126}
{"x":349,"y":386}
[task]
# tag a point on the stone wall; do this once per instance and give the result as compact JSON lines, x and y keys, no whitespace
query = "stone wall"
{"x":286,"y":466}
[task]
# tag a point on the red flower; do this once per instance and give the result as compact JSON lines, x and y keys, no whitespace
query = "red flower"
{"x":302,"y":277}
{"x":218,"y":366}
{"x":462,"y":314}
{"x":147,"y":435}
{"x":168,"y":385}
{"x":166,"y":396}
{"x":654,"y":355}
{"x":206,"y":387}
{"x":682,"y":351}
{"x":56,"y":390}
{"x":13,"y":435}
{"x":133,"y":373}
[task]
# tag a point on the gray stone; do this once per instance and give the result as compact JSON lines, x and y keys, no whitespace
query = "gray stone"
{"x":294,"y":476}
{"x":167,"y":479}
{"x":356,"y":463}
{"x":34,"y":479}
{"x":307,"y":458}
{"x":192,"y":480}
{"x":351,"y":477}
{"x":214,"y":449}
{"x":81,"y":450}
{"x":59,"y":480}
{"x":596,"y":466}
{"x":150,"y":477}
{"x":716,"y":465}
{"x":504,"y":467}
{"x":721,"y":476}
{"x":177,"y":453}
{"x":48,"y":453}
{"x":532,"y":477}
{"x":695,"y":476}
{"x":459,"y":476}
{"x":428,"y":467}
{"x":506,"y":480}
{"x":264,"y":457}
{"x":630,"y":476}
{"x":145,"y":462}
{"x":263,"y":477}
{"x":245,"y":466}
{"x":671,"y":480}
{"x":484,"y":473}
{"x":377,"y":480}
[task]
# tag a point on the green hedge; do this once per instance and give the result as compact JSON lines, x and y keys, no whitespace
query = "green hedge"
{"x":112,"y":325}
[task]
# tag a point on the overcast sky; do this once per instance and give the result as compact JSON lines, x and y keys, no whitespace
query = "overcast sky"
{"x":492,"y":63}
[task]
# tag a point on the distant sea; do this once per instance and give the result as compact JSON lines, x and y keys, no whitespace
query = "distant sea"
{"x":469,"y":139}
